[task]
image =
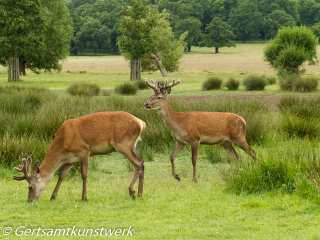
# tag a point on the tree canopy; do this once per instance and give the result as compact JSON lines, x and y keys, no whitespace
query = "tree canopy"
{"x":36,"y":31}
{"x":219,"y":34}
{"x":291,"y":48}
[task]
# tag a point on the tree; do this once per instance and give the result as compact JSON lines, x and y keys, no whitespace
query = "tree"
{"x":316,"y":30}
{"x":93,"y":36}
{"x":219,"y":34}
{"x":166,"y":49}
{"x":193,"y":27}
{"x":276,"y":20}
{"x":309,"y":12}
{"x":36,"y":31}
{"x":246,"y":20}
{"x":290,"y":49}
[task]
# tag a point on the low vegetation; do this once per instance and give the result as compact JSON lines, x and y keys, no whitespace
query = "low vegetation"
{"x":254,"y":83}
{"x":83,"y":89}
{"x":232,"y":84}
{"x":212,"y":83}
{"x":126,"y":89}
{"x":299,"y":84}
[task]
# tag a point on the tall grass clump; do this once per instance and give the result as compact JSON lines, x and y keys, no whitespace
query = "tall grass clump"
{"x":300,"y":117}
{"x":126,"y":89}
{"x":212,"y":83}
{"x":296,"y":83}
{"x":140,"y":84}
{"x":290,"y":167}
{"x":271,"y":80}
{"x":83,"y":89}
{"x":254,"y":83}
{"x":232,"y":84}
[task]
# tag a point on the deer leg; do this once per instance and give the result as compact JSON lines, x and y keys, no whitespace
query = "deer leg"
{"x":84,"y":173}
{"x":229,"y":148}
{"x":194,"y":147}
{"x":138,"y":165}
{"x":242,"y":143}
{"x":175,"y":152}
{"x":65,"y":169}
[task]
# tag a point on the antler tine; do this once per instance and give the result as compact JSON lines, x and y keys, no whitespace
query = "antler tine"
{"x":25,"y":168}
{"x":151,"y":86}
{"x":174,"y":83}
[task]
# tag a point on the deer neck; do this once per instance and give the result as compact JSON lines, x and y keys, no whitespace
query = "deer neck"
{"x":170,"y":116}
{"x":49,"y":165}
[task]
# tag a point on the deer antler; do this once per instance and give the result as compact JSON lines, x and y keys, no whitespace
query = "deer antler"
{"x":174,"y":83}
{"x":155,"y":84}
{"x":25,"y":168}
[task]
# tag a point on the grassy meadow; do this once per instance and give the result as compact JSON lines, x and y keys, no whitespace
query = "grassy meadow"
{"x":277,"y":197}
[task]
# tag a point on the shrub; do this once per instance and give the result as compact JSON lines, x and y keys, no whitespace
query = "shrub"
{"x":83,"y":89}
{"x":232,"y":84}
{"x":126,"y":89}
{"x":140,"y":84}
{"x":305,"y":84}
{"x":212,"y":83}
{"x":254,"y":83}
{"x":296,"y":83}
{"x":271,"y":80}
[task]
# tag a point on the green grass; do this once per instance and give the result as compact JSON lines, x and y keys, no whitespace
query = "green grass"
{"x":278,"y":198}
{"x":169,"y":209}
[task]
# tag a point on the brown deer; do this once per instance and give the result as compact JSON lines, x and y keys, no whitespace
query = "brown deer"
{"x":76,"y":140}
{"x":194,"y":128}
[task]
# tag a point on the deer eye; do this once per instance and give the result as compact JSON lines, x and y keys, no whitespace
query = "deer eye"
{"x":159,"y":97}
{"x":30,"y":187}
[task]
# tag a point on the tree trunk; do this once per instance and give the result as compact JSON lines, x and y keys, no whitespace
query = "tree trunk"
{"x":189,"y":48}
{"x":217,"y":50}
{"x":22,"y":66}
{"x":185,"y":50}
{"x":160,"y":65}
{"x":135,"y":72}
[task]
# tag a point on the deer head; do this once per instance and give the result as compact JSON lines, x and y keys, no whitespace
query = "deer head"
{"x":36,"y":186}
{"x":160,"y":93}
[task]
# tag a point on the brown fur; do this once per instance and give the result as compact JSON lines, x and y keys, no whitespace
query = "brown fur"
{"x":93,"y":134}
{"x":194,"y":128}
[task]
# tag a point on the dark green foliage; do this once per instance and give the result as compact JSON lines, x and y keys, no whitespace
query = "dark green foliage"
{"x":126,"y":89}
{"x":296,"y":83}
{"x":290,"y":49}
{"x":271,"y":80}
{"x":83,"y":89}
{"x":36,"y":31}
{"x":300,"y":117}
{"x":255,"y":83}
{"x":219,"y":34}
{"x":212,"y":83}
{"x":140,"y":84}
{"x":232,"y":84}
{"x":277,"y":20}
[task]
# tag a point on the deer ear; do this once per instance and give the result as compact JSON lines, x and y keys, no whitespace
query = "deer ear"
{"x":36,"y":168}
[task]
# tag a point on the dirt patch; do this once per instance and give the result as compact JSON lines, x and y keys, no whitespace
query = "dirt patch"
{"x":270,"y":100}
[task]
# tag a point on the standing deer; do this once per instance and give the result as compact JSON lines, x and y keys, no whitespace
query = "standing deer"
{"x":194,"y":128}
{"x":76,"y":140}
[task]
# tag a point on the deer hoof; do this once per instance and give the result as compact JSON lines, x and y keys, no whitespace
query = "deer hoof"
{"x":132,"y":194}
{"x":177,"y":177}
{"x":52,"y":198}
{"x":84,"y":199}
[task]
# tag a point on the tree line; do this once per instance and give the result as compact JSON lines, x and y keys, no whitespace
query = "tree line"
{"x":96,"y":22}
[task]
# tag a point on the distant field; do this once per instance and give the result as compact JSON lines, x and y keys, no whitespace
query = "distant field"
{"x":244,"y":58}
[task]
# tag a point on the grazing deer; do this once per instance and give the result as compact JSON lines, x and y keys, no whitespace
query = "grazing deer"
{"x":76,"y":140}
{"x":194,"y":128}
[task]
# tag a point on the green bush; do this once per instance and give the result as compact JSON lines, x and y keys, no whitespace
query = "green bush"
{"x":140,"y":84}
{"x":305,"y":85}
{"x":83,"y":89}
{"x":296,"y":83}
{"x":232,"y":84}
{"x":255,"y":83}
{"x":212,"y":83}
{"x":126,"y":89}
{"x":271,"y":80}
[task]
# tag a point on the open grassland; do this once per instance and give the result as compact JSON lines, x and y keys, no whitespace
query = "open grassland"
{"x":276,"y":198}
